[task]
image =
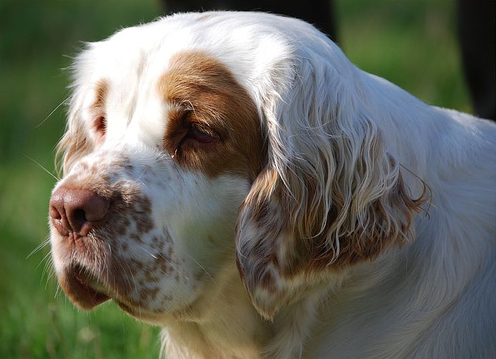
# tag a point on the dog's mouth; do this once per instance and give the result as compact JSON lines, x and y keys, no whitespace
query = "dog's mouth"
{"x":83,"y":288}
{"x":87,"y":292}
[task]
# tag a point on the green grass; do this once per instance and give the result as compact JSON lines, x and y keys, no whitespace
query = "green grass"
{"x":410,"y":43}
{"x":37,"y":40}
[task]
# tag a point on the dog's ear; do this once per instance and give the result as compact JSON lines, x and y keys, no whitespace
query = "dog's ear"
{"x":330,"y":196}
{"x":74,"y":143}
{"x":86,"y":101}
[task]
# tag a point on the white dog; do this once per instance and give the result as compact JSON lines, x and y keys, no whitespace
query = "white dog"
{"x":233,"y":178}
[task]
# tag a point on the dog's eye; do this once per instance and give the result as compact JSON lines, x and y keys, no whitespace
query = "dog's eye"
{"x":201,"y":135}
{"x":195,"y":136}
{"x":100,"y":125}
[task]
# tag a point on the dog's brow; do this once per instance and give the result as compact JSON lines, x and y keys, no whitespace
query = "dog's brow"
{"x":101,"y":93}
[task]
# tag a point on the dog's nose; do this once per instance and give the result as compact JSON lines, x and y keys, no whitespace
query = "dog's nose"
{"x":76,"y":210}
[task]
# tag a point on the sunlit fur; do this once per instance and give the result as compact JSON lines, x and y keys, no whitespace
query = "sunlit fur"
{"x":369,"y":232}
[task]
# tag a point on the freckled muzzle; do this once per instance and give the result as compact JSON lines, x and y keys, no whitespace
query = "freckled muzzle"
{"x":96,"y":213}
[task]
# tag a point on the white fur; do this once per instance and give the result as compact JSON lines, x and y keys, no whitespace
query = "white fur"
{"x":435,"y":297}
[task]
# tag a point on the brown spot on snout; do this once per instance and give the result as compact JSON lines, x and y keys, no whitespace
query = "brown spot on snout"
{"x":204,"y":94}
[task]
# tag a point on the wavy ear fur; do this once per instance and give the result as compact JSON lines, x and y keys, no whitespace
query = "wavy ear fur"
{"x":330,"y":196}
{"x":74,"y":144}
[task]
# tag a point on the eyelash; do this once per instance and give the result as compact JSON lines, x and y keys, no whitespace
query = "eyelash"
{"x":201,"y":135}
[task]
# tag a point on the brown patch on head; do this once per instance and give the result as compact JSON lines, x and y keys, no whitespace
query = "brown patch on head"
{"x":101,"y":91}
{"x":204,"y":95}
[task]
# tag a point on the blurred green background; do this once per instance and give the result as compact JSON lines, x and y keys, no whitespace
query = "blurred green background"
{"x":412,"y":44}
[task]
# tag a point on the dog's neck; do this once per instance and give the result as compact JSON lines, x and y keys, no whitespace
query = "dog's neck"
{"x":229,"y":326}
{"x":222,"y":324}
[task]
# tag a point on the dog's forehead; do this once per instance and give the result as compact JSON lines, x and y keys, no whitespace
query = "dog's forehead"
{"x":131,"y":63}
{"x":247,"y":43}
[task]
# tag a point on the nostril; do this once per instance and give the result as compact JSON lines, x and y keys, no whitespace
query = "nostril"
{"x":77,"y":218}
{"x":90,"y":207}
{"x":77,"y":210}
{"x":57,"y":212}
{"x":54,"y":213}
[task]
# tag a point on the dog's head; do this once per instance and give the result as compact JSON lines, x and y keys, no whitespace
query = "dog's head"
{"x":204,"y":140}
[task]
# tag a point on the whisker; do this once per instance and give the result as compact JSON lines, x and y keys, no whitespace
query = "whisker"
{"x":39,"y":247}
{"x":141,"y":174}
{"x":148,"y":252}
{"x":171,"y":263}
{"x":44,"y":259}
{"x":49,"y":271}
{"x":203,"y":269}
{"x":129,"y":278}
{"x":58,"y":290}
{"x":51,"y":113}
{"x":42,"y":167}
{"x":160,"y":255}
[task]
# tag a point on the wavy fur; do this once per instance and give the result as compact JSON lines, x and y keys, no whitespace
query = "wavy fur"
{"x":361,"y":220}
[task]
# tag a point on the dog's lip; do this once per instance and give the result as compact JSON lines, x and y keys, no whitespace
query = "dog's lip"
{"x":84,"y":290}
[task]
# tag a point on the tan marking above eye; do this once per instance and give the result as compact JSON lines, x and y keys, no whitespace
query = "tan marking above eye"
{"x":204,"y":95}
{"x":101,"y":93}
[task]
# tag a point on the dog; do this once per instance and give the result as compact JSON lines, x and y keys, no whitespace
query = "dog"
{"x":233,"y":178}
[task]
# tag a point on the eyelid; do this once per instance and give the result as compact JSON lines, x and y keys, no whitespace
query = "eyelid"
{"x":203,"y":128}
{"x":200,"y":133}
{"x":201,"y":136}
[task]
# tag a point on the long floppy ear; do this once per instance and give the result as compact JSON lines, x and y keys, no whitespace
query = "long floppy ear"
{"x":74,"y":143}
{"x":329,"y":197}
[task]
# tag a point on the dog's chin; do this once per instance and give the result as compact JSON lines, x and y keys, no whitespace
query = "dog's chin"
{"x":83,"y":290}
{"x":87,"y":292}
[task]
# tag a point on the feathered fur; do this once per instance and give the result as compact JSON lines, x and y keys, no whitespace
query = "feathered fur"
{"x":363,"y":224}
